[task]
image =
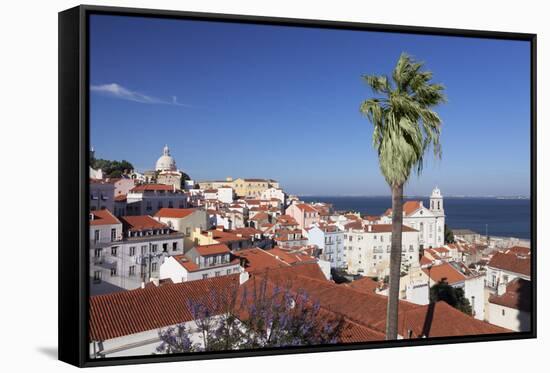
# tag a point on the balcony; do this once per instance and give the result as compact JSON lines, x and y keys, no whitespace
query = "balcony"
{"x":105,"y":261}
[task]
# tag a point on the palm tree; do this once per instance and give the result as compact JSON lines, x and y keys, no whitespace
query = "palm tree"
{"x":405,"y":126}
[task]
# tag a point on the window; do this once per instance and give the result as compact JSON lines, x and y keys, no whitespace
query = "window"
{"x":153,"y":267}
{"x":113,"y":234}
{"x":170,"y":204}
{"x":503,"y":312}
{"x":132,"y":251}
{"x":164,"y":247}
{"x":217,"y":273}
{"x":114,"y":250}
{"x":97,"y":253}
{"x":143,"y":249}
{"x":174,"y":246}
{"x":187,"y":232}
{"x":228,"y":272}
{"x":205,"y":276}
{"x":149,"y":206}
{"x":132,"y":271}
{"x":96,"y":235}
{"x":97,"y":277}
{"x":154,"y":248}
{"x":113,"y":272}
{"x":505,"y":279}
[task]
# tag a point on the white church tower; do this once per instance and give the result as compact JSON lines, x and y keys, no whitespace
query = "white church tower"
{"x":436,"y":207}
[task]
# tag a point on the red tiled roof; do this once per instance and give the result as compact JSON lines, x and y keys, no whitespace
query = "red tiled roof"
{"x":258,"y":260}
{"x":410,"y":206}
{"x":444,"y":271}
{"x":174,"y":213}
{"x":425,"y":261}
{"x":354,"y":225}
{"x":440,"y":320}
{"x":135,"y":311}
{"x":511,"y":262}
{"x":223,"y":237}
{"x":305,"y":207}
{"x":517,"y":295}
{"x":103,"y":217}
{"x":190,"y":266}
{"x":141,"y":222}
{"x":364,"y":285}
{"x":152,"y":187}
{"x":260,"y":216}
{"x":518,"y":250}
{"x":217,"y":248}
{"x":247,"y":232}
{"x":292,"y":257}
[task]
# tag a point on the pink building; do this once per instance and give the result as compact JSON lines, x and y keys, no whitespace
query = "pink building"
{"x":304,"y":214}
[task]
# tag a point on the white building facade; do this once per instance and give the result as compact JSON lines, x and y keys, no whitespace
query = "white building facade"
{"x":330,"y":239}
{"x":368,"y":249}
{"x":429,"y":222}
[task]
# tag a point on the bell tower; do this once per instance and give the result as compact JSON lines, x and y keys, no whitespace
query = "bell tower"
{"x":436,"y":202}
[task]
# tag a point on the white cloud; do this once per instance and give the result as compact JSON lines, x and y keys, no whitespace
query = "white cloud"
{"x":118,"y":91}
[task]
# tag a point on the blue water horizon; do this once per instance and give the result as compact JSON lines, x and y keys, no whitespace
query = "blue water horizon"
{"x":502,"y":217}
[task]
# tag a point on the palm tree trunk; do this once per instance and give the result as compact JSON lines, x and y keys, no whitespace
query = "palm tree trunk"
{"x":395,"y":262}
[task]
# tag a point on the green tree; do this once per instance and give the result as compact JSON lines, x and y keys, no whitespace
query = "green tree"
{"x":449,"y":235}
{"x":112,"y":169}
{"x":452,"y":296}
{"x":405,"y":127}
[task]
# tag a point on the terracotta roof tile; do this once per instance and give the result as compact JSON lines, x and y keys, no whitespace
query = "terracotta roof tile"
{"x":135,"y":311}
{"x":214,"y":249}
{"x":141,"y":222}
{"x":511,"y":262}
{"x":152,"y":187}
{"x":517,"y":295}
{"x":445,"y":271}
{"x":174,"y":213}
{"x":103,"y":217}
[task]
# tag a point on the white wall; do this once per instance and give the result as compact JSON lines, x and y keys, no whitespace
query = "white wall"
{"x":368,"y":253}
{"x":508,"y":318}
{"x":474,"y":291}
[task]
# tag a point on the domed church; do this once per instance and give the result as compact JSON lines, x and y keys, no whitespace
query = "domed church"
{"x":166,"y":162}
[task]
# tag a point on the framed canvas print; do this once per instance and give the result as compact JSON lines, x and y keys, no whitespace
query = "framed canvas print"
{"x":234,"y":186}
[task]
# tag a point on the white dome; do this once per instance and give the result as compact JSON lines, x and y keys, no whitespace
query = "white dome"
{"x":166,"y":162}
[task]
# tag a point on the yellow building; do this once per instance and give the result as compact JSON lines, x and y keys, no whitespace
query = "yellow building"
{"x":252,"y":188}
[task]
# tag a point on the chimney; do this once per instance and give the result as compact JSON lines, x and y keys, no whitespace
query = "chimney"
{"x":501,"y":288}
{"x":243,"y":277}
{"x":369,"y":228}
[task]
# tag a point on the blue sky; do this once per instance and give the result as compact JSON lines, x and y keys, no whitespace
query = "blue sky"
{"x":283,"y":103}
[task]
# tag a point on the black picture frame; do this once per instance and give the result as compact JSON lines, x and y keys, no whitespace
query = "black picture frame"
{"x":73,"y":181}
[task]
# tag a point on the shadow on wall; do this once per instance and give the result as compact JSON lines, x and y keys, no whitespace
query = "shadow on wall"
{"x":524,"y":304}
